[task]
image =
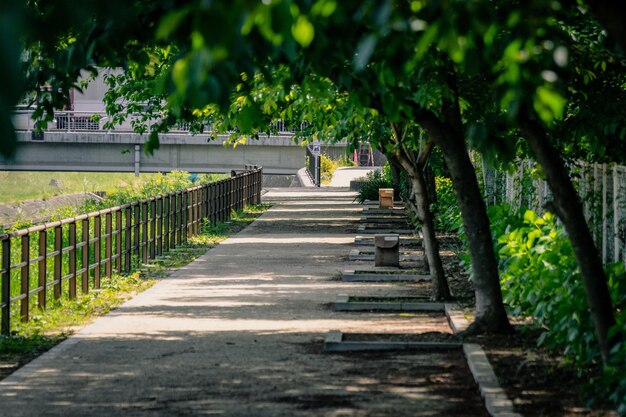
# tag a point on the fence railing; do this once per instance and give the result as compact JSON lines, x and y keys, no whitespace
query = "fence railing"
{"x":57,"y":259}
{"x":313,"y":166}
{"x":602,"y":190}
{"x":73,"y":121}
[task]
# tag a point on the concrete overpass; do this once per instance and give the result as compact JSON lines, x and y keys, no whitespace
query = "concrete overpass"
{"x":80,"y":141}
{"x":113,"y":151}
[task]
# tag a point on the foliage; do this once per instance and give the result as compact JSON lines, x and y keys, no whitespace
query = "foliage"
{"x":329,"y":166}
{"x":447,"y":213}
{"x":540,"y":278}
{"x":373,"y":181}
{"x":327,"y":169}
{"x":158,"y":184}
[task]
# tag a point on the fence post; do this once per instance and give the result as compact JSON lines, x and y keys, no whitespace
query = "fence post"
{"x":259,"y":185}
{"x":72,"y":260}
{"x":179,"y":217}
{"x":173,"y":225}
{"x":604,"y":215}
{"x":58,"y":261}
{"x":159,"y":225}
{"x":144,"y":232}
{"x":108,"y":245}
{"x":24,"y":277}
{"x":43,"y":255}
{"x":85,"y":256}
{"x":152,"y":252}
{"x":118,"y":240}
{"x":616,"y":240}
{"x":97,"y":250}
{"x":127,"y":237}
{"x":6,"y":285}
{"x":136,"y":229}
{"x":166,"y":222}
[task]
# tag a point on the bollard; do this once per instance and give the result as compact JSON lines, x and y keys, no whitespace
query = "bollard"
{"x":385,"y":198}
{"x":387,"y":250}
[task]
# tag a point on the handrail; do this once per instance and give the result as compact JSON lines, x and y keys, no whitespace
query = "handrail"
{"x":73,"y":121}
{"x":88,"y":247}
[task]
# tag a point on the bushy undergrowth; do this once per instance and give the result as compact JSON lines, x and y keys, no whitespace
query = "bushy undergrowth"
{"x":373,"y":181}
{"x":329,"y":166}
{"x":157,"y":185}
{"x":381,"y":178}
{"x":540,"y":278}
{"x":447,"y":213}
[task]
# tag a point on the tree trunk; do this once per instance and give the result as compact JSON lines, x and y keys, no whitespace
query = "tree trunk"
{"x":491,"y":315}
{"x":568,"y":207}
{"x":440,"y":288}
{"x":431,"y":185}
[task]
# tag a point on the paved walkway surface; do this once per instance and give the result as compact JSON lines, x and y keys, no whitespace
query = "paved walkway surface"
{"x":238,"y":332}
{"x":343,"y":175}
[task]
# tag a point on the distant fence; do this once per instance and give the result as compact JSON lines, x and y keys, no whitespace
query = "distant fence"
{"x":80,"y":121}
{"x":313,"y":166}
{"x":36,"y":263}
{"x":601,"y":187}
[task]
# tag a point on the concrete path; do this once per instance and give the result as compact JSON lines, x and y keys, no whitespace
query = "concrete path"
{"x":343,"y":175}
{"x":238,"y":333}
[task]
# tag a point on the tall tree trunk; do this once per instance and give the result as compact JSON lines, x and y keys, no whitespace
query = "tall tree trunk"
{"x":415,"y":171}
{"x":431,"y":185}
{"x":491,"y":315}
{"x":568,"y":207}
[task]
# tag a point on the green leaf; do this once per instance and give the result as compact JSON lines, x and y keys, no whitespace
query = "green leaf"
{"x":152,"y":143}
{"x":530,"y":216}
{"x":303,"y":31}
{"x":170,"y":22}
{"x":549,"y":104}
{"x":324,"y":8}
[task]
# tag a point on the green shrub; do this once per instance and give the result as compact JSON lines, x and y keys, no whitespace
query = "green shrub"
{"x":540,"y":278}
{"x":373,"y":181}
{"x":447,"y":213}
{"x":327,"y":169}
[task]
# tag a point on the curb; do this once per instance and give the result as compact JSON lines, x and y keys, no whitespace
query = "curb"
{"x":333,"y":342}
{"x":343,"y":303}
{"x":369,"y":230}
{"x":352,"y":276}
{"x":368,"y":240}
{"x":365,"y":255}
{"x":497,"y":402}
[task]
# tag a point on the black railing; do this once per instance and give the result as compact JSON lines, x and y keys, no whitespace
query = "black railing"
{"x":51,"y":260}
{"x":313,"y":166}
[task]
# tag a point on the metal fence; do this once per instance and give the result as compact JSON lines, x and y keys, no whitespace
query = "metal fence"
{"x":313,"y":166}
{"x":73,"y":121}
{"x":54,"y":260}
{"x":601,"y":187}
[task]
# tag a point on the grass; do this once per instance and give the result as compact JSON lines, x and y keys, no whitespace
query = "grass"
{"x":20,"y":186}
{"x":63,"y":318}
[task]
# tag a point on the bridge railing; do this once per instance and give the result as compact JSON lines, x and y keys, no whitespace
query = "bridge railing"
{"x":313,"y":166}
{"x":56,"y":260}
{"x":78,"y":121}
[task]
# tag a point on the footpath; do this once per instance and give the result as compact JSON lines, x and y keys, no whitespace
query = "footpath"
{"x":239,"y":332}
